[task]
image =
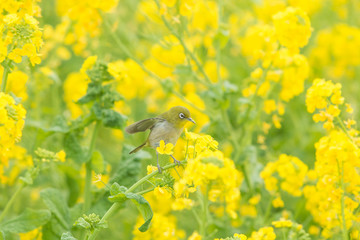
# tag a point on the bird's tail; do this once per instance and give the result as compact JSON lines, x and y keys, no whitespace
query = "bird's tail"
{"x":138,"y":148}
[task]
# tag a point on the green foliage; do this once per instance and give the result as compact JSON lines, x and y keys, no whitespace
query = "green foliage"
{"x":119,"y":194}
{"x":97,"y":162}
{"x":56,"y":203}
{"x":91,"y":222}
{"x":67,"y":236}
{"x":29,"y":220}
{"x":129,"y":166}
{"x":73,"y":148}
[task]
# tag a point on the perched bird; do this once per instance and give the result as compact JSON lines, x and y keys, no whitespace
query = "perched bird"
{"x":167,"y":127}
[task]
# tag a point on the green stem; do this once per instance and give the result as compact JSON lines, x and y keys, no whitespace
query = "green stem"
{"x":11,"y":201}
{"x":116,"y":206}
{"x":145,"y":191}
{"x":236,"y":145}
{"x":341,"y":174}
{"x":143,"y":67}
{"x":4,"y":79}
{"x":87,"y":190}
{"x":186,"y":49}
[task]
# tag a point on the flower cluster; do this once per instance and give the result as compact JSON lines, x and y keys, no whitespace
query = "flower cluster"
{"x":335,"y":196}
{"x":276,"y":51}
{"x":292,"y":28}
{"x":210,"y":172}
{"x":326,"y":55}
{"x":21,"y":33}
{"x":291,"y":172}
{"x":12,"y":120}
{"x":85,"y":19}
{"x":326,"y":97}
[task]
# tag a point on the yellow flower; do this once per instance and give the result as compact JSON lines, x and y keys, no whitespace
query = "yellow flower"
{"x":282,"y":223}
{"x":269,"y":106}
{"x":88,"y":63}
{"x":35,"y":234}
{"x":151,"y":168}
{"x":165,"y":149}
{"x":195,"y":236}
{"x":16,"y":55}
{"x":292,"y":28}
{"x":257,"y":73}
{"x":240,"y":236}
{"x":277,"y":202}
{"x":161,"y":192}
{"x":61,"y":155}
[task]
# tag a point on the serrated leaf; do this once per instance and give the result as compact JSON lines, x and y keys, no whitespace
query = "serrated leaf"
{"x":82,"y":223}
{"x":56,"y":203}
{"x":112,"y":119}
{"x":97,"y":162}
{"x":68,"y":236}
{"x":93,"y":91}
{"x":129,"y":167}
{"x":73,"y":148}
{"x":27,"y":221}
{"x":145,"y":210}
{"x":119,"y":195}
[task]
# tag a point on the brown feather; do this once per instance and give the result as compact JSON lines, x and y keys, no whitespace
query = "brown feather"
{"x":138,"y":148}
{"x":143,"y":125}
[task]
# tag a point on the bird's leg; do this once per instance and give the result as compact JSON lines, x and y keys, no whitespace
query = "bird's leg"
{"x":158,"y":165}
{"x":175,"y":161}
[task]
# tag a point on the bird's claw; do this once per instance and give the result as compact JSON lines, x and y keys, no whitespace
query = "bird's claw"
{"x":159,"y":168}
{"x":177,"y":162}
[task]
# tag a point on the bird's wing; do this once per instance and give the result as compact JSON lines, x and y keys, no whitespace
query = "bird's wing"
{"x":143,"y":125}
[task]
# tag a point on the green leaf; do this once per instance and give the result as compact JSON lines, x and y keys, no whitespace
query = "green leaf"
{"x":129,"y":167}
{"x":97,"y":162}
{"x":53,"y":229}
{"x":67,"y":236}
{"x":145,"y":210}
{"x":119,"y":195}
{"x":73,"y":148}
{"x":112,"y":119}
{"x":82,"y":223}
{"x":56,"y":203}
{"x":99,"y":73}
{"x":92,"y":93}
{"x":27,"y":221}
{"x":2,"y":235}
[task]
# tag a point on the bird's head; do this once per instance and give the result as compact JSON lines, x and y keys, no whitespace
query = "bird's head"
{"x":178,"y":116}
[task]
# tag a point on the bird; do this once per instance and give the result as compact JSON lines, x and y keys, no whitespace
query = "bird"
{"x":168,"y":127}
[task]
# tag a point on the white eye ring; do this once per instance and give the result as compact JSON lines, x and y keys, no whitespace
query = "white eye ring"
{"x":181,"y":115}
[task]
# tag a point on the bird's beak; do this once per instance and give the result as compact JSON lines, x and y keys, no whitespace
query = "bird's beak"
{"x":191,"y":120}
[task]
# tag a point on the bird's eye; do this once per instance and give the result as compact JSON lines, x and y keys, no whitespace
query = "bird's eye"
{"x":181,"y":115}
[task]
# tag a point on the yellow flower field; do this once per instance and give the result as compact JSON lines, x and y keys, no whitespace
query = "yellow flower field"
{"x":273,"y":86}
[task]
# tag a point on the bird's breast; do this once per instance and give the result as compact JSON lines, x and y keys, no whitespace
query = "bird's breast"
{"x":164,"y":131}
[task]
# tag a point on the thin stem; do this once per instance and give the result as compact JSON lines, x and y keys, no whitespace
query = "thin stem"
{"x":145,"y":191}
{"x":11,"y":201}
{"x":143,"y":67}
{"x":116,"y":206}
{"x":187,"y":50}
{"x":4,"y":79}
{"x":341,"y":174}
{"x":87,"y":191}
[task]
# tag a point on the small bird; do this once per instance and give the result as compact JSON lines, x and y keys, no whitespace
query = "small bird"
{"x":168,"y":127}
